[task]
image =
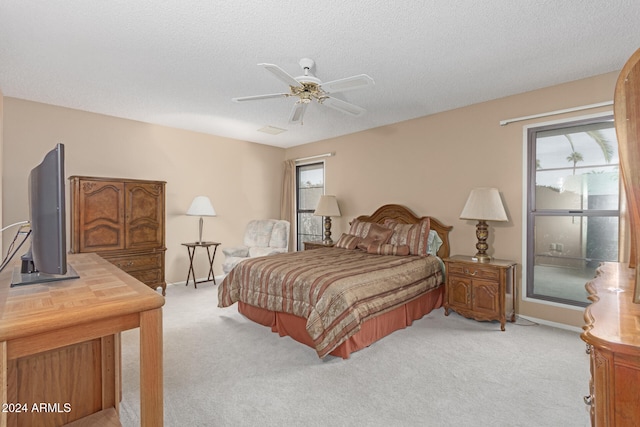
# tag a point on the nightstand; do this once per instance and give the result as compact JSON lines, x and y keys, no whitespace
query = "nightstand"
{"x":478,"y":290}
{"x":317,"y":244}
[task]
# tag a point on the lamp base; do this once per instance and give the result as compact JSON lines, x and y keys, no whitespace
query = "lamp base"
{"x":482,"y":233}
{"x":481,"y":257}
{"x":200,"y":231}
{"x":327,"y":231}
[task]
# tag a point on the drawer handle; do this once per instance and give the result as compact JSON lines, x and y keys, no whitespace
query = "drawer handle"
{"x":126,"y":264}
{"x":588,"y":400}
{"x":466,"y":271}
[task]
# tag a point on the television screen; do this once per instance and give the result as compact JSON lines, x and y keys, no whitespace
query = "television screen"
{"x":46,"y":260}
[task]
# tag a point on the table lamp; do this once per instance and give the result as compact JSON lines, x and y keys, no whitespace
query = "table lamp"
{"x":201,"y":206}
{"x":483,"y":204}
{"x":327,"y":207}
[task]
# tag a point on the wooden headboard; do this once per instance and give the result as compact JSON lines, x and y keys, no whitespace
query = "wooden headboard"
{"x":405,"y":216}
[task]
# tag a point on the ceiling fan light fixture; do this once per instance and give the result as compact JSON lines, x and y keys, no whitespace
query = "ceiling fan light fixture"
{"x":308,"y":88}
{"x":298,"y":112}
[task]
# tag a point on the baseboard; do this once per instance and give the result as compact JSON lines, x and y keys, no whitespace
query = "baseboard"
{"x":552,"y":324}
{"x":219,"y":279}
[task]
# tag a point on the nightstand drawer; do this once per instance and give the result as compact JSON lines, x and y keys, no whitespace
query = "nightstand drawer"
{"x":475,"y":271}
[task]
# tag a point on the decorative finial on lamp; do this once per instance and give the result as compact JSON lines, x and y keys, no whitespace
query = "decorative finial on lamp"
{"x":201,"y":206}
{"x":483,"y":204}
{"x":327,"y":207}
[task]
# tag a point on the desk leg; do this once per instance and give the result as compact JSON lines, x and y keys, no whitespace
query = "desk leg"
{"x":4,"y":377}
{"x":191,"y":272}
{"x":151,"y":385}
{"x":111,"y":374}
{"x":513,"y":290}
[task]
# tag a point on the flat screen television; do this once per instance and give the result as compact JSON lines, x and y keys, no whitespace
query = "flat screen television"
{"x":46,"y":260}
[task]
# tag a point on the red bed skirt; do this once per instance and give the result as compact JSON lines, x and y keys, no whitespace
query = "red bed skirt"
{"x":370,"y":331}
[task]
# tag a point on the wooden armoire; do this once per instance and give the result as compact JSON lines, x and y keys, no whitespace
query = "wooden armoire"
{"x":123,"y":220}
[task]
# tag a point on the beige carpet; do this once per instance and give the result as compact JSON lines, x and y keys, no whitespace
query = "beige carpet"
{"x":222,"y":370}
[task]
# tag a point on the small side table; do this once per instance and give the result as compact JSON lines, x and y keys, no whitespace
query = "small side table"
{"x":191,"y":248}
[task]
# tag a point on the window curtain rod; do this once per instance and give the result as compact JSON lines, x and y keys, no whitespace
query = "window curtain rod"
{"x":319,"y":156}
{"x":554,"y":113}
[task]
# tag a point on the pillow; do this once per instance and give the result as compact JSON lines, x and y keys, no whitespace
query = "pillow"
{"x":347,"y":241}
{"x":414,"y":235}
{"x":433,"y":243}
{"x":359,"y":228}
{"x":376,"y":234}
{"x":388,"y":249}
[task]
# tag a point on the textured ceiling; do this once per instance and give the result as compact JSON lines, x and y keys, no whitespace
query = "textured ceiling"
{"x":178,"y":62}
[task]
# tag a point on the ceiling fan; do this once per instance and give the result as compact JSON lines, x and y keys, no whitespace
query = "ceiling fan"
{"x":308,"y":88}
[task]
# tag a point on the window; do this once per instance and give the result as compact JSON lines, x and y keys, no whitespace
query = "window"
{"x":309,"y":188}
{"x":572,"y":207}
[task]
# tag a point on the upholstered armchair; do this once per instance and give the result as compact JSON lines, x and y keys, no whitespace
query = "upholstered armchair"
{"x":262,"y":237}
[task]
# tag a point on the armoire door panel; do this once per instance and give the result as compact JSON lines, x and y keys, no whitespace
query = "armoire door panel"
{"x":102,"y":236}
{"x":145,"y":215}
{"x":102,"y":202}
{"x":101,"y":219}
{"x":142,"y":235}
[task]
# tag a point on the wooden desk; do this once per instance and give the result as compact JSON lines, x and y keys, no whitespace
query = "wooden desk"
{"x":60,"y":346}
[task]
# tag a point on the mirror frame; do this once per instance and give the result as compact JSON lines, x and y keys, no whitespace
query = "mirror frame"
{"x":626,"y":106}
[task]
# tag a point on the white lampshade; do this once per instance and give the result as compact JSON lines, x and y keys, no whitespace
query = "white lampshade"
{"x":484,"y":204}
{"x":201,"y":206}
{"x":327,"y":206}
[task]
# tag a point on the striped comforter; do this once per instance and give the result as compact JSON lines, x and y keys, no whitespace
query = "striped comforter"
{"x":334,"y":289}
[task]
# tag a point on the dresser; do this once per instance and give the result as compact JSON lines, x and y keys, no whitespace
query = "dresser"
{"x":123,"y":220}
{"x":612,"y":334}
{"x":479,"y":290}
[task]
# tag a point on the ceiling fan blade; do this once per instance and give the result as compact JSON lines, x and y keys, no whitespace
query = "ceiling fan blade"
{"x":348,"y":83}
{"x":281,"y":74}
{"x":255,"y":97}
{"x":343,"y":106}
{"x":297,"y":112}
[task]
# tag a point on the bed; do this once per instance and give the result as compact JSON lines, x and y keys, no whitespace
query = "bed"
{"x":341,"y":299}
